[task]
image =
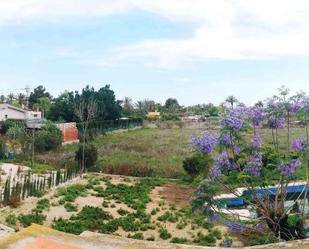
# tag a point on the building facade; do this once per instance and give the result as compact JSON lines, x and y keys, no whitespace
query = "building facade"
{"x":8,"y":111}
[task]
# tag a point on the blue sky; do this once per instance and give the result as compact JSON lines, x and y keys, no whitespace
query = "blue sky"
{"x":198,"y":51}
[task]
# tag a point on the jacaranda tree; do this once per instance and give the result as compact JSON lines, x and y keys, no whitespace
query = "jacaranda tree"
{"x":241,"y":159}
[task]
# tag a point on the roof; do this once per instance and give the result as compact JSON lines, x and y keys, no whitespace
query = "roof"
{"x":153,"y":113}
{"x":8,"y":106}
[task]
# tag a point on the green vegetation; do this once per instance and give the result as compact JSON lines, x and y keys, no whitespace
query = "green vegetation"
{"x":49,"y":137}
{"x":70,"y":207}
{"x":164,"y":234}
{"x":139,"y":236}
{"x":70,"y":193}
{"x":33,"y":217}
{"x":179,"y":240}
{"x":11,"y":219}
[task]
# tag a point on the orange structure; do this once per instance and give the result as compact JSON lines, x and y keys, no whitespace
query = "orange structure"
{"x":69,"y":131}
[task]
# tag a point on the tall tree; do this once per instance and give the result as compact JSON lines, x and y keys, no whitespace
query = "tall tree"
{"x":62,"y":108}
{"x":22,"y":99}
{"x":232,"y":100}
{"x":172,"y":105}
{"x":86,"y":111}
{"x":44,"y":105}
{"x":108,"y":107}
{"x":38,"y":93}
{"x":127,"y":106}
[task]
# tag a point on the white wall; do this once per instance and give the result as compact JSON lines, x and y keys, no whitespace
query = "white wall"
{"x":6,"y":113}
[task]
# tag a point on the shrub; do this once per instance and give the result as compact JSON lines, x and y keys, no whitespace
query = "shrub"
{"x":68,"y":226}
{"x":217,"y":234}
{"x":181,"y":225}
{"x":89,"y":218}
{"x":122,"y":212}
{"x":261,"y":239}
{"x":2,"y":148}
{"x":105,"y":204}
{"x":196,"y":164}
{"x":42,"y":204}
{"x":70,"y":193}
{"x":208,"y":240}
{"x":151,"y":238}
{"x":69,"y":207}
{"x":49,"y":137}
{"x":179,"y":240}
{"x":139,"y":236}
{"x":91,"y":155}
{"x":164,"y":234}
{"x":34,"y":217}
{"x":11,"y":219}
{"x":7,"y":124}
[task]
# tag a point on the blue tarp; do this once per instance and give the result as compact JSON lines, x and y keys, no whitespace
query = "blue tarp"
{"x":292,"y":191}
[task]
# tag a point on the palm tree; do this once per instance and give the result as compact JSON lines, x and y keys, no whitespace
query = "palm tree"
{"x":231,"y":100}
{"x":127,"y":105}
{"x":10,"y":98}
{"x":21,"y":99}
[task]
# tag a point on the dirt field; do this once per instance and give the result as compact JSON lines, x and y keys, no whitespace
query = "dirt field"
{"x":166,"y":207}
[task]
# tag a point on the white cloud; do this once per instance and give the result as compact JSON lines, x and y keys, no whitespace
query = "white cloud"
{"x":225,"y":29}
{"x":233,"y":30}
{"x":25,"y":11}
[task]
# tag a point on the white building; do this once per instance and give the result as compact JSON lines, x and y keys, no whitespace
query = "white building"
{"x":8,"y":111}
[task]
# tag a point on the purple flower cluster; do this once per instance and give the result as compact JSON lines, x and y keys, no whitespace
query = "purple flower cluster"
{"x":215,"y":172}
{"x":276,"y":122}
{"x":213,"y":218}
{"x":234,"y":119}
{"x":222,"y":161}
{"x":287,"y":169}
{"x":256,"y":141}
{"x":256,"y":114}
{"x":259,"y":227}
{"x":299,"y":145}
{"x":296,"y":104}
{"x":205,"y":143}
{"x":294,"y":107}
{"x":235,"y":227}
{"x":237,"y":150}
{"x":253,"y":166}
{"x":225,"y":139}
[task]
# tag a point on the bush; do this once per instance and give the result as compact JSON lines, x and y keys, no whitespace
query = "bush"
{"x":170,"y":117}
{"x":43,"y":204}
{"x":49,"y":137}
{"x":34,"y":217}
{"x":7,"y":124}
{"x":2,"y":148}
{"x":139,"y":236}
{"x":261,"y":239}
{"x":164,"y":234}
{"x":179,"y":240}
{"x":205,"y":240}
{"x":122,"y":212}
{"x":151,"y":238}
{"x":197,"y":163}
{"x":70,"y":193}
{"x":11,"y":219}
{"x":69,"y":207}
{"x":91,"y":155}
